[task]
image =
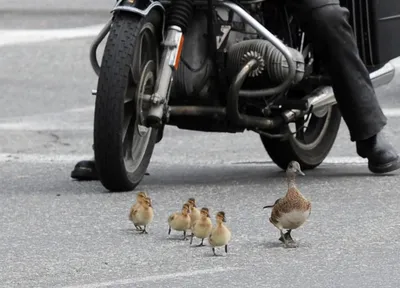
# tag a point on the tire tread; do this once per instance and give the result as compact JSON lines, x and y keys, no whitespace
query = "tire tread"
{"x":108,"y":119}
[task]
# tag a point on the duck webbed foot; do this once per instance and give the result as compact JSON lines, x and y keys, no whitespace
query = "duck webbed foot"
{"x":287,"y":236}
{"x":288,"y":240}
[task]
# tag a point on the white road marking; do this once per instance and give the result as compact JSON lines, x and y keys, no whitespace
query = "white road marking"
{"x":391,"y":112}
{"x":42,"y":158}
{"x":26,"y":36}
{"x":89,"y":108}
{"x":71,"y":158}
{"x":71,"y":119}
{"x":82,"y":109}
{"x":154,"y":278}
{"x":48,"y":126}
{"x":345,"y":160}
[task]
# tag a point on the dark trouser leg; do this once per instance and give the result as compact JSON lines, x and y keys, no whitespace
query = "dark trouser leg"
{"x":326,"y":24}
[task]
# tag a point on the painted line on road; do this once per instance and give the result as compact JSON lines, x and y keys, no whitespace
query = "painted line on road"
{"x":42,"y":158}
{"x":44,"y":122}
{"x":71,"y":158}
{"x":51,"y":125}
{"x":27,"y":36}
{"x":154,"y":278}
{"x":50,"y":121}
{"x":89,"y":108}
{"x":391,"y":112}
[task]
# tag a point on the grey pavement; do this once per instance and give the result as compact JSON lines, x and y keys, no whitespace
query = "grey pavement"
{"x":55,"y":232}
{"x":54,"y":5}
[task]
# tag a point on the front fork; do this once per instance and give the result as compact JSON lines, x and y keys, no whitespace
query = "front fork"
{"x":173,"y":46}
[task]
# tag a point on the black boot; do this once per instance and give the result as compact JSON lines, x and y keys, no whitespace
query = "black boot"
{"x":85,"y":170}
{"x":381,"y":155}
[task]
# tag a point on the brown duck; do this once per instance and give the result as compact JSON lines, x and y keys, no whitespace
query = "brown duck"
{"x":291,"y":211}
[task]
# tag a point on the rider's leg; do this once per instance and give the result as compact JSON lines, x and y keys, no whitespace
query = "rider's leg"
{"x":326,"y":23}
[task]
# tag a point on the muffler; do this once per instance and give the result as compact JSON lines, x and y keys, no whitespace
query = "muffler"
{"x":323,"y":97}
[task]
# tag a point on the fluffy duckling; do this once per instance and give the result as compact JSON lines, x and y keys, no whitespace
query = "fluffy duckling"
{"x":291,"y":211}
{"x":220,"y":234}
{"x":194,"y":212}
{"x":202,"y":227}
{"x":180,"y":221}
{"x":143,"y":215}
{"x":139,"y":200}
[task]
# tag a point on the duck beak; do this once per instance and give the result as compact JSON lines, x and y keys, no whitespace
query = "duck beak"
{"x":301,"y":172}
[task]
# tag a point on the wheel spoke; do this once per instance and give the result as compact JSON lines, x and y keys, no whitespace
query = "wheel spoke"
{"x":130,"y":91}
{"x":128,"y":141}
{"x":129,"y":96}
{"x":145,"y":52}
{"x":300,"y":129}
{"x":128,"y":114}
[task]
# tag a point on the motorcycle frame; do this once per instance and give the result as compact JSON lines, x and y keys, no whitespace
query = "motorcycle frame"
{"x":318,"y":100}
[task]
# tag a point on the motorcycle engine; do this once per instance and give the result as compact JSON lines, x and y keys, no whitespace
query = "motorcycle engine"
{"x":195,"y":78}
{"x":243,"y":45}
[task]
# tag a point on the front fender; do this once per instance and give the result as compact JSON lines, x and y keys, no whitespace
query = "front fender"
{"x":140,"y":7}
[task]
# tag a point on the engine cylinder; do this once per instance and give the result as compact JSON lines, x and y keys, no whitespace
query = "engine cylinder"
{"x":274,"y":68}
{"x":179,"y":13}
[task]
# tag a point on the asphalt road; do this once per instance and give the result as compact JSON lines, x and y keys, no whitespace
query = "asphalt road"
{"x":55,"y":232}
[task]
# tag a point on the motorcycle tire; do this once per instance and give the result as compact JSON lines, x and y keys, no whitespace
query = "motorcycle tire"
{"x":123,"y":145}
{"x":322,"y":135}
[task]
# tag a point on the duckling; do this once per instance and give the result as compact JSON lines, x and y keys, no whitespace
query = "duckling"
{"x":202,"y":227}
{"x":291,"y":211}
{"x":139,"y":200}
{"x":144,"y":214}
{"x":194,"y":212}
{"x":180,"y":221}
{"x":220,"y":234}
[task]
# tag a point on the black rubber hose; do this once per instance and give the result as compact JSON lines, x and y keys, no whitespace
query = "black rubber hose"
{"x":179,"y":13}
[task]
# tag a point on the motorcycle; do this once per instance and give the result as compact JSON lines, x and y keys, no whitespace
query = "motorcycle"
{"x":220,"y":66}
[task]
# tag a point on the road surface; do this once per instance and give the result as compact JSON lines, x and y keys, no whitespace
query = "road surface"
{"x":55,"y":232}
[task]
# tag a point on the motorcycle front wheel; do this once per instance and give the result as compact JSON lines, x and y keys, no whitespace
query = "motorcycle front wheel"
{"x":123,"y":145}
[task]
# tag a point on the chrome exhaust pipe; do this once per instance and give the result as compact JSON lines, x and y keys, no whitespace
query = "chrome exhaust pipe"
{"x":323,"y":97}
